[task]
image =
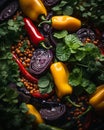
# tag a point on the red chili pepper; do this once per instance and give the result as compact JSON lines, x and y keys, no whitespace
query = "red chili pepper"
{"x":24,"y":71}
{"x":32,"y":79}
{"x":34,"y":34}
{"x":42,"y":96}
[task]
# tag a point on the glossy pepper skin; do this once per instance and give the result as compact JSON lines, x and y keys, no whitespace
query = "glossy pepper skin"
{"x":97,"y":98}
{"x":35,"y":36}
{"x":42,"y":96}
{"x":32,"y":110}
{"x":63,"y":22}
{"x":24,"y":71}
{"x":60,"y":75}
{"x":66,"y":23}
{"x":33,"y":8}
{"x":32,"y":79}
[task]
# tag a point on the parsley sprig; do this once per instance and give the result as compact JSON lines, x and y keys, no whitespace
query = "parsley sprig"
{"x":12,"y":112}
{"x":84,"y":60}
{"x":88,"y":11}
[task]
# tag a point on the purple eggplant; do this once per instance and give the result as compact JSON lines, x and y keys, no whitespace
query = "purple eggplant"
{"x":9,"y":10}
{"x":40,"y":61}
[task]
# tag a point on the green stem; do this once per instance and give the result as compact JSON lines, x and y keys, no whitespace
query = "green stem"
{"x":85,"y":66}
{"x":82,"y":65}
{"x":73,"y":103}
{"x":84,"y":113}
{"x":46,"y":47}
{"x":45,"y":21}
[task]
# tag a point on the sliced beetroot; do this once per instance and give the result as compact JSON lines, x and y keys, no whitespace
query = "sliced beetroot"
{"x":85,"y":33}
{"x":40,"y":61}
{"x":49,"y":3}
{"x":9,"y":10}
{"x":52,"y":111}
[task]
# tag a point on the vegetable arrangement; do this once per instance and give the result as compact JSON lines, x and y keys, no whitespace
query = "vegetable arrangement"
{"x":73,"y":67}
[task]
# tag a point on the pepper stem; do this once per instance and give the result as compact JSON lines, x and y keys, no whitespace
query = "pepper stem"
{"x":45,"y":21}
{"x":87,"y":110}
{"x":73,"y":103}
{"x":46,"y":47}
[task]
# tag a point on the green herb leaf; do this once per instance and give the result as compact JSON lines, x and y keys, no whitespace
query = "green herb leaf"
{"x":62,"y":52}
{"x":60,"y":34}
{"x":75,"y":77}
{"x":72,"y":42}
{"x":68,"y":10}
{"x":45,"y":83}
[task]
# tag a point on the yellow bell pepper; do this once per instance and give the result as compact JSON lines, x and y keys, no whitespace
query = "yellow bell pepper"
{"x":33,"y":8}
{"x":32,"y":110}
{"x":97,"y":98}
{"x":60,"y":75}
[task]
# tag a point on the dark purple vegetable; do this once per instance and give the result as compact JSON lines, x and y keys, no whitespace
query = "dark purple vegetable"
{"x":40,"y":61}
{"x":46,"y":28}
{"x":49,"y":3}
{"x":85,"y":33}
{"x":52,"y":111}
{"x":52,"y":39}
{"x":9,"y":10}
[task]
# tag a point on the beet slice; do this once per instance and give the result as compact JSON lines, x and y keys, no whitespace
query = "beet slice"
{"x":85,"y":33}
{"x":52,"y":111}
{"x":9,"y":10}
{"x":49,"y":3}
{"x":40,"y":61}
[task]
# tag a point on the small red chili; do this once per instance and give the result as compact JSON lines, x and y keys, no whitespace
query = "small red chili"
{"x":24,"y":71}
{"x":42,"y":96}
{"x":31,"y":79}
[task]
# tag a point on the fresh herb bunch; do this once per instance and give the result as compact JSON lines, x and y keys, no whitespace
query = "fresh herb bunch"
{"x":85,"y":61}
{"x":88,"y":11}
{"x":12,"y":113}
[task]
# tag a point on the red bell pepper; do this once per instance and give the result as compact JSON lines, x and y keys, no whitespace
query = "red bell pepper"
{"x":34,"y":34}
{"x":24,"y":71}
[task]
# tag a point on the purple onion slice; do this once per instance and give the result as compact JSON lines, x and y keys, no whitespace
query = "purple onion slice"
{"x":9,"y":10}
{"x":40,"y":61}
{"x":53,"y":111}
{"x":49,"y":3}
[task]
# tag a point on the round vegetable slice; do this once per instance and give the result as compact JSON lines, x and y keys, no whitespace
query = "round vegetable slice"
{"x":40,"y":61}
{"x":9,"y":10}
{"x":52,"y":111}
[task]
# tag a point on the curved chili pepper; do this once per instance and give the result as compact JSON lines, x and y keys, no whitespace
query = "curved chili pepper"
{"x":43,"y":96}
{"x":24,"y":71}
{"x":32,"y":79}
